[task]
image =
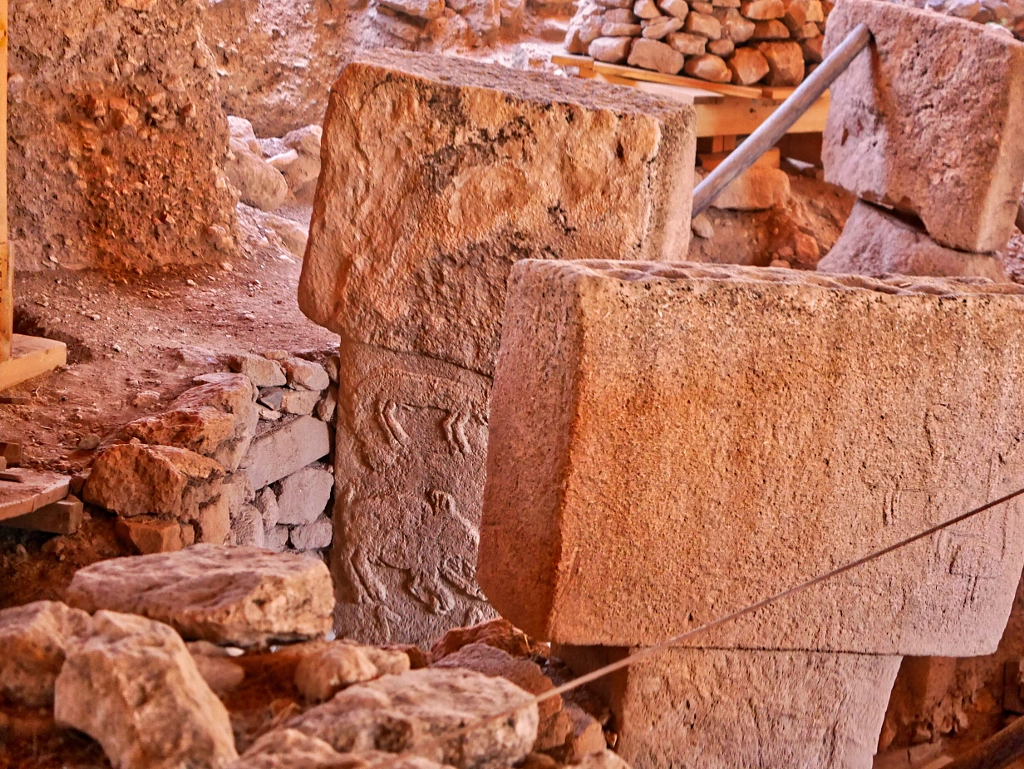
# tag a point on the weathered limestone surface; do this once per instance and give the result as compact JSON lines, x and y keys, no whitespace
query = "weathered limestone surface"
{"x":134,"y":687}
{"x":407,"y":712}
{"x":437,"y":175}
{"x":241,"y":596}
{"x":927,"y":120}
{"x":282,"y":448}
{"x":740,"y":709}
{"x":876,"y":242}
{"x":719,"y":434}
{"x":34,"y":639}
{"x":291,"y":749}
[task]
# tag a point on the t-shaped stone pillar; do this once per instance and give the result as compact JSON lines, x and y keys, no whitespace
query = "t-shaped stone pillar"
{"x":438,"y":174}
{"x":671,"y":443}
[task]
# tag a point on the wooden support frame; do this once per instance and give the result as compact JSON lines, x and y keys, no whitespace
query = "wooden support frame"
{"x":21,"y":357}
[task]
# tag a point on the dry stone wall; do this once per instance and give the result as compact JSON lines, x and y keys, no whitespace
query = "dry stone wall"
{"x":774,"y":42}
{"x":116,"y":136}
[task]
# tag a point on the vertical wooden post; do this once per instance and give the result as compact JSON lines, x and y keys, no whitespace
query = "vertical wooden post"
{"x":6,"y":268}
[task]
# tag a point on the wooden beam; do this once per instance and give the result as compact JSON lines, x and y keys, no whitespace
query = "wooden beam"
{"x":632,"y":73}
{"x":31,"y":356}
{"x":733,"y":117}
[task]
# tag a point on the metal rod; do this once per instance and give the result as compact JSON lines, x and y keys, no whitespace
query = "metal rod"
{"x":774,"y":128}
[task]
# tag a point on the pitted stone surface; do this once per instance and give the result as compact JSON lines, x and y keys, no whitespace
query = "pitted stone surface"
{"x":134,"y":687}
{"x":927,"y":120}
{"x":740,"y":709}
{"x":718,"y":434}
{"x":241,"y":596}
{"x":408,"y":712}
{"x":876,"y":242}
{"x":440,"y":172}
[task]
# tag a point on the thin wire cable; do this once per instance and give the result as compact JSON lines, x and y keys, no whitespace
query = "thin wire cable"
{"x":650,"y":651}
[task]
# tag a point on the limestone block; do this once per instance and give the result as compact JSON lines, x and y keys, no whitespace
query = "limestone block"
{"x":901,"y":131}
{"x":739,"y":709}
{"x":756,"y":189}
{"x":704,"y":25}
{"x":305,"y":375}
{"x":303,"y":496}
{"x":257,"y":182}
{"x":658,"y":28}
{"x":672,"y":443}
{"x":312,"y":536}
{"x":261,"y":371}
{"x":291,"y":749}
{"x":400,"y":713}
{"x":147,"y":534}
{"x":657,"y":56}
{"x":785,"y":59}
{"x":708,"y":67}
{"x":409,"y":474}
{"x":687,"y":44}
{"x":677,"y":8}
{"x":613,"y":50}
{"x":877,"y":242}
{"x":217,"y":420}
{"x":134,"y":687}
{"x":282,"y":448}
{"x":584,"y":28}
{"x":735,"y":27}
{"x":498,"y":632}
{"x":748,"y":65}
{"x":440,"y":172}
{"x":325,"y":672}
{"x":35,"y":638}
{"x":242,"y":596}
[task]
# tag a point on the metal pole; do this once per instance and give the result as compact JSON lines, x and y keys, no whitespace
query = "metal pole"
{"x":775,"y":127}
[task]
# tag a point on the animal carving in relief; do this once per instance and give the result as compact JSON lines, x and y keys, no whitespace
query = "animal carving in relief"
{"x":423,"y":537}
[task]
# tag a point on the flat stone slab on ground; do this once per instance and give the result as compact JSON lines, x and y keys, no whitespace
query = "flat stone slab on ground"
{"x":718,"y":434}
{"x":439,"y":172}
{"x":740,"y":709}
{"x":34,"y":489}
{"x":927,"y":120}
{"x":876,"y":242}
{"x":240,"y":596}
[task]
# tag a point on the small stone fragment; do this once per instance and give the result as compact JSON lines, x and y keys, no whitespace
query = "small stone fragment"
{"x":421,"y":9}
{"x":397,"y":713}
{"x":147,"y":534}
{"x":721,"y":48}
{"x":762,"y":10}
{"x":302,"y":497}
{"x":322,"y":674}
{"x":262,"y":372}
{"x":708,"y":67}
{"x":305,"y":374}
{"x":240,"y":596}
{"x":248,"y":527}
{"x":612,"y":50}
{"x":734,"y":26}
{"x":34,"y":638}
{"x":651,"y":54}
{"x":748,"y":66}
{"x":291,"y":749}
{"x":220,"y":673}
{"x":756,"y":189}
{"x":312,"y":536}
{"x":656,"y":29}
{"x":134,"y":687}
{"x":770,"y":30}
{"x":677,"y":8}
{"x":685,"y":43}
{"x":703,"y":25}
{"x":266,"y":503}
{"x":785,"y":63}
{"x":276,"y":538}
{"x":702,"y":227}
{"x":498,"y":632}
{"x":611,"y":29}
{"x":646,"y":9}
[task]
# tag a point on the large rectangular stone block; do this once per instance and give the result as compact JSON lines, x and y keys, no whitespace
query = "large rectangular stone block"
{"x":744,"y":709}
{"x":671,"y":443}
{"x":927,"y":120}
{"x":439,"y":173}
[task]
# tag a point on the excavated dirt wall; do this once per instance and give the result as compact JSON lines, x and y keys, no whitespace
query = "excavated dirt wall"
{"x":117,"y":136}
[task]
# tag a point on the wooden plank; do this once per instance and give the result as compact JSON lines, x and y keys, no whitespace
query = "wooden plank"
{"x":63,"y":517}
{"x":744,"y":116}
{"x":572,"y":60}
{"x":31,"y":356}
{"x":776,"y":94}
{"x":36,"y":489}
{"x":679,"y":93}
{"x":711,"y":161}
{"x":686,"y":82}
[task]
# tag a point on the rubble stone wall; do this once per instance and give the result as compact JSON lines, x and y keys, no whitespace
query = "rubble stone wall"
{"x":116,"y":136}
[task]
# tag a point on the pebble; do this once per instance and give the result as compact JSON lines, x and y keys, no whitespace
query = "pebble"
{"x":89,"y":442}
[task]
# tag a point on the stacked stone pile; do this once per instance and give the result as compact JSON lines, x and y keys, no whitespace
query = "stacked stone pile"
{"x":925,"y":208}
{"x":744,"y":42}
{"x":593,"y":539}
{"x":242,"y":458}
{"x":193,"y":657}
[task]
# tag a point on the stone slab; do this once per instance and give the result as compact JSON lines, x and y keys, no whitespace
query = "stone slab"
{"x":240,"y":596}
{"x":671,"y":443}
{"x":879,"y":242}
{"x":439,"y":172}
{"x":285,"y":447}
{"x":927,"y":120}
{"x":740,"y":709}
{"x":33,"y":490}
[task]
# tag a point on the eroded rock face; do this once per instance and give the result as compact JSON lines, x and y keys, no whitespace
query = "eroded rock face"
{"x":400,"y":713}
{"x":240,"y":596}
{"x":134,"y":688}
{"x":147,"y":135}
{"x":410,"y":265}
{"x":34,"y":639}
{"x":876,"y":242}
{"x":217,"y":420}
{"x":900,"y":133}
{"x":616,"y":442}
{"x":739,"y":709}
